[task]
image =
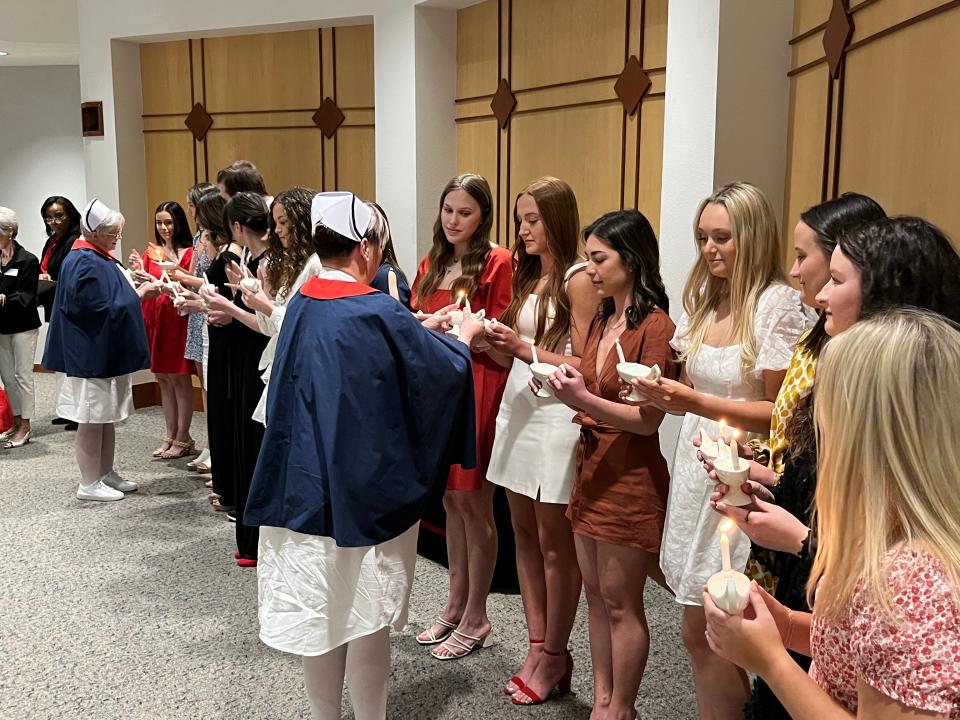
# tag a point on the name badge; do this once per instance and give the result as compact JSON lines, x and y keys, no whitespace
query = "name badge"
{"x":12,"y":272}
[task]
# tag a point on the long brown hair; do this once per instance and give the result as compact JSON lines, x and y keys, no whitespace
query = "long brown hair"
{"x":557,"y":207}
{"x":284,"y":265}
{"x":442,"y":251}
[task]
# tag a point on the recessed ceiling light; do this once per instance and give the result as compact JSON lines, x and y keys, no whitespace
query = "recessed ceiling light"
{"x":3,"y":53}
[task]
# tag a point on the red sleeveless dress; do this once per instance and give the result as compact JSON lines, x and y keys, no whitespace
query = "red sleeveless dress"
{"x":166,"y":328}
{"x":489,"y":379}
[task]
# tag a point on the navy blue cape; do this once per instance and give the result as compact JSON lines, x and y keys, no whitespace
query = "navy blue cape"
{"x":367,"y":411}
{"x":96,"y":326}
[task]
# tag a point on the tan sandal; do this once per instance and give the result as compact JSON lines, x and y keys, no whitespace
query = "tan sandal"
{"x":167,"y":444}
{"x":182,"y":450}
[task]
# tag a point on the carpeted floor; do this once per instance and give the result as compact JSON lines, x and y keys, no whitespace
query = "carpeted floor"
{"x":136,"y":609}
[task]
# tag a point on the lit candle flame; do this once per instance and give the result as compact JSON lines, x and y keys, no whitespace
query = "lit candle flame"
{"x":155,"y":252}
{"x":727,"y":525}
{"x":723,"y":428}
{"x":460,"y":296}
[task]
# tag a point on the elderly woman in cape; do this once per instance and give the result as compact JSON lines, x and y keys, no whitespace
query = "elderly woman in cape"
{"x":367,"y":410}
{"x":97,"y":338}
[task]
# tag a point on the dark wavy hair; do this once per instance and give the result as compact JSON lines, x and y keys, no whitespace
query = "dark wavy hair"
{"x":629,"y":234}
{"x":829,"y":220}
{"x":284,"y":264}
{"x":181,"y":237}
{"x":210,"y":218}
{"x":441,"y":253}
{"x":68,"y":207}
{"x":903,"y":262}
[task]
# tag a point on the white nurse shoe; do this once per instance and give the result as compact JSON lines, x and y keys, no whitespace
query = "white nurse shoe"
{"x":98,"y":491}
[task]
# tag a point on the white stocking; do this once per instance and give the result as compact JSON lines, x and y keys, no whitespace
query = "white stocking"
{"x":88,"y":448}
{"x":323,"y":677}
{"x":367,"y":673}
{"x":107,"y":445}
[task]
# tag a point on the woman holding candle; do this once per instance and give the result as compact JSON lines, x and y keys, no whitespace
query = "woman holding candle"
{"x":167,"y":329}
{"x":904,"y":262}
{"x":550,"y":310}
{"x":290,"y":262}
{"x":463,"y":262}
{"x":619,"y":496}
{"x":197,"y":344}
{"x":97,"y":338}
{"x":234,"y":435}
{"x":340,"y":502}
{"x":740,"y":324}
{"x":219,"y":405}
{"x":885,"y":583}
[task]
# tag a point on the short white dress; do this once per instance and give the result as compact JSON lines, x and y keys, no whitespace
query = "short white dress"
{"x":96,"y":400}
{"x":315,"y":596}
{"x":690,"y":551}
{"x":535,"y":446}
{"x":270,"y":325}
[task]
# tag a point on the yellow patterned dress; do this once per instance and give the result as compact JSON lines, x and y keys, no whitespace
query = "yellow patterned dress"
{"x":797,"y":384}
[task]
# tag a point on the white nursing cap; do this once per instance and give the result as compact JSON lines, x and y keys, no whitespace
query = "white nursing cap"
{"x":342,"y":212}
{"x":93,"y":215}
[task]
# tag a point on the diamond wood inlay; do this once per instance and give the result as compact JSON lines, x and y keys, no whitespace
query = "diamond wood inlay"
{"x":198,"y":122}
{"x":632,"y":85}
{"x":503,"y":103}
{"x":836,"y":36}
{"x":328,"y":117}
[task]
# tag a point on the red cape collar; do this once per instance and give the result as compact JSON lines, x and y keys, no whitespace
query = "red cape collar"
{"x":82,"y":244}
{"x":321,"y":289}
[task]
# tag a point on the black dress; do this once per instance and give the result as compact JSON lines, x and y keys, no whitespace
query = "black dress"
{"x":233,"y":391}
{"x":796,"y":491}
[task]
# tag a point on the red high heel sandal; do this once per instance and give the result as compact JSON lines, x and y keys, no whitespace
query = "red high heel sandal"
{"x":562,"y":687}
{"x":515,"y":680}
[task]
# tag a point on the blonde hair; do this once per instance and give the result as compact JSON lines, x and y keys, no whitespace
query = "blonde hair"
{"x":757,"y":266}
{"x":887,"y":408}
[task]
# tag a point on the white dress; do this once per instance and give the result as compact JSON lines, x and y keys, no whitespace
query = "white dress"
{"x":270,"y":325}
{"x":690,"y":552}
{"x":534,"y":449}
{"x":315,"y":596}
{"x":96,"y":400}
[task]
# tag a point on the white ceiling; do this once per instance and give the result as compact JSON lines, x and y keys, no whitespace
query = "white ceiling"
{"x":39,"y":32}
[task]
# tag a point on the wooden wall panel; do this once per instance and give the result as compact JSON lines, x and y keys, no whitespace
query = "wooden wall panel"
{"x":654,"y":33}
{"x":562,"y":59}
{"x":356,"y":169}
{"x":899,"y":138}
{"x":647,"y":199}
{"x":559,"y":41}
{"x":285,"y":157}
{"x":261,"y":92}
{"x":884,"y":125}
{"x":477,"y":50}
{"x":805,"y":156}
{"x":553,"y":143}
{"x":169,"y":161}
{"x":251,"y":72}
{"x":477,"y":150}
{"x":354,"y":66}
{"x":163,"y":66}
{"x":807,"y":14}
